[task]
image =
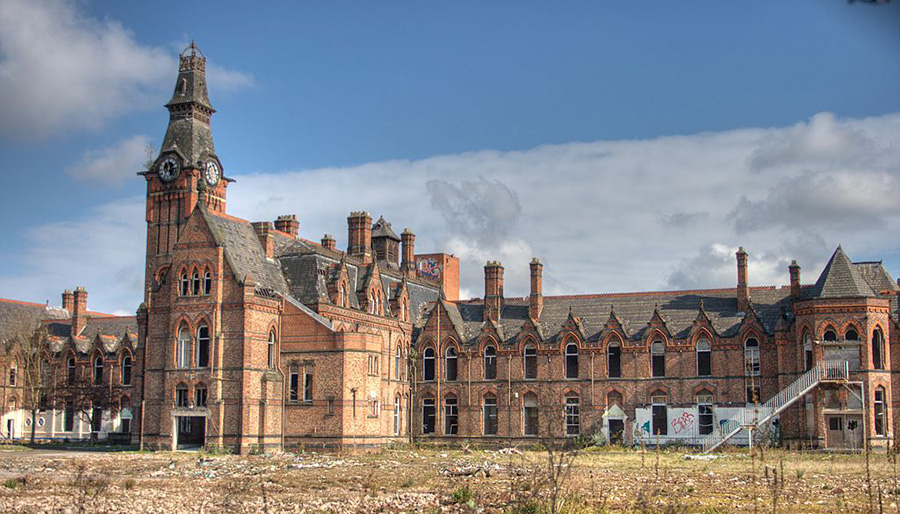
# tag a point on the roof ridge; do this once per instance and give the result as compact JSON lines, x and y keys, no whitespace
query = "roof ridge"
{"x":30,"y":304}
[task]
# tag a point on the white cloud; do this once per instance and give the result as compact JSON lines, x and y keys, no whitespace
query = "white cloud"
{"x":114,"y":165}
{"x":103,"y":250}
{"x":603,"y":216}
{"x":62,"y":71}
{"x":623,"y":215}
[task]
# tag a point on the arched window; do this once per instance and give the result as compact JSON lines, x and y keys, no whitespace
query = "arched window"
{"x":207,"y":282}
{"x":658,"y":359}
{"x":530,"y":354}
{"x":183,"y":350}
{"x":877,"y":349}
{"x":571,"y":361}
{"x":880,"y":400}
{"x":704,"y":357}
{"x":403,"y":310}
{"x":428,"y":362}
{"x":614,"y":398}
{"x":530,"y":414}
{"x":490,"y":363}
{"x":830,"y":335}
{"x":342,"y":298}
{"x":181,"y":395}
{"x":202,"y":346}
{"x":195,"y":283}
{"x":808,"y":356}
{"x":751,"y":369}
{"x":614,"y":360}
{"x":370,"y":308}
{"x":573,"y":414}
{"x":489,"y":414}
{"x":851,"y":335}
{"x":98,"y":370}
{"x":270,"y":350}
{"x":751,"y":357}
{"x":450,"y":367}
{"x":185,"y":284}
{"x":70,"y":371}
{"x":126,"y":369}
{"x":397,"y":415}
{"x":13,"y":373}
{"x":397,"y":372}
{"x":451,"y":415}
{"x":201,"y":396}
{"x":428,"y":409}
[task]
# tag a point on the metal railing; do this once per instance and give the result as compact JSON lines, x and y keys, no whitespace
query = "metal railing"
{"x":752,"y":417}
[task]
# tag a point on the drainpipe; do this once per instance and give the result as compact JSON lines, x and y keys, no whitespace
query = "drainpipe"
{"x":281,"y":371}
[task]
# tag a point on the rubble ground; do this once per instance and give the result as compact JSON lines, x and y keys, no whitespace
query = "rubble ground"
{"x":435,"y":480}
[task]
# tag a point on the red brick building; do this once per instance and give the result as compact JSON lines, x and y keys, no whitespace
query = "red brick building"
{"x":250,"y":336}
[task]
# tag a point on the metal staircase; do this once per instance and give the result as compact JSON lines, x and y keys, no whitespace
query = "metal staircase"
{"x":753,"y":417}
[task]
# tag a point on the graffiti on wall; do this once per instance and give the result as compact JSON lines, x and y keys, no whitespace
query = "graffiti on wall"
{"x":429,"y":268}
{"x":683,"y":422}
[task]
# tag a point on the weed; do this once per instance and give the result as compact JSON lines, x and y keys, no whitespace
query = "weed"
{"x":462,"y":495}
{"x":129,"y":484}
{"x":11,"y":483}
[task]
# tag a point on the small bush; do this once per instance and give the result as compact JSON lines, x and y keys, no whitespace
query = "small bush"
{"x":462,"y":495}
{"x":129,"y":484}
{"x":11,"y":483}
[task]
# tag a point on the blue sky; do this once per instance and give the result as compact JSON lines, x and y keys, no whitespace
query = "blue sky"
{"x":323,"y":99}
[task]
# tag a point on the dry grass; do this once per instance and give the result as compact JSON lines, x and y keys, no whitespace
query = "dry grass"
{"x":413,"y":481}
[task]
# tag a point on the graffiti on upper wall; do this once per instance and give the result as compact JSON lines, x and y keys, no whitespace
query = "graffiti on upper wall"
{"x":430,"y":268}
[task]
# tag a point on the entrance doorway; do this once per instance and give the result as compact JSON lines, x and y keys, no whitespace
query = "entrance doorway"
{"x":191,"y":432}
{"x":616,"y":431}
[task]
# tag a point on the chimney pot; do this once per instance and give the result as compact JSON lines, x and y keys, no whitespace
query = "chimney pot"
{"x":288,"y":224}
{"x":408,"y":241}
{"x":328,"y":242}
{"x":536,"y":299}
{"x":265,"y":232}
{"x":794,"y":270}
{"x":743,"y":291}
{"x":359,"y":228}
{"x":79,"y":310}
{"x":493,"y":290}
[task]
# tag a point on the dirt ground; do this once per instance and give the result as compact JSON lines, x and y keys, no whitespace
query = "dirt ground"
{"x":434,"y":480}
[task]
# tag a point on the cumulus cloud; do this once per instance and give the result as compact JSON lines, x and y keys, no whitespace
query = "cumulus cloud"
{"x":112,"y":165}
{"x":62,"y":71}
{"x":604,"y":216}
{"x":103,"y":250}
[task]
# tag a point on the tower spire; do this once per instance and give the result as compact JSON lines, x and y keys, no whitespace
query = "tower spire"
{"x":189,"y":132}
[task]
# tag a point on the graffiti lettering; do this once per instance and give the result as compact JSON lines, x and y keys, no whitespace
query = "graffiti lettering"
{"x":683,"y":423}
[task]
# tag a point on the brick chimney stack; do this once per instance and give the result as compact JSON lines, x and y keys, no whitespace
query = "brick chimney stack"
{"x":536,"y":299}
{"x":68,"y":299}
{"x":743,"y":292}
{"x":328,"y":242}
{"x":79,"y":310}
{"x":794,"y":270}
{"x":359,"y":228}
{"x":408,"y":242}
{"x":264,"y":231}
{"x":288,"y":224}
{"x":493,"y":290}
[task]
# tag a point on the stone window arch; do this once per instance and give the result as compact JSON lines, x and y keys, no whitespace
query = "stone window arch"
{"x":203,"y":346}
{"x":98,"y":370}
{"x":490,"y":362}
{"x":571,"y":360}
{"x":270,"y":349}
{"x":428,"y":364}
{"x":451,"y":367}
{"x":127,"y":362}
{"x":529,"y":354}
{"x":878,"y":349}
{"x":195,"y":282}
{"x":704,"y":357}
{"x":658,"y":358}
{"x":183,"y":347}
{"x":614,"y":359}
{"x":489,"y":414}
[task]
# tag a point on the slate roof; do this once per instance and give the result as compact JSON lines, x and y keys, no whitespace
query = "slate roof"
{"x":678,"y":310}
{"x":876,"y":276}
{"x":243,"y":250}
{"x":112,"y":331}
{"x":840,"y":279}
{"x":22,"y":318}
{"x":382,"y":228}
{"x":189,"y":137}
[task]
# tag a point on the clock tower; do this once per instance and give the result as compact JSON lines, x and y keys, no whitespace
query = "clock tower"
{"x":187,"y":170}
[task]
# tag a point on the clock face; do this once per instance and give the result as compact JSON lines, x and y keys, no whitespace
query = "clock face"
{"x":211,"y":172}
{"x":168,"y":169}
